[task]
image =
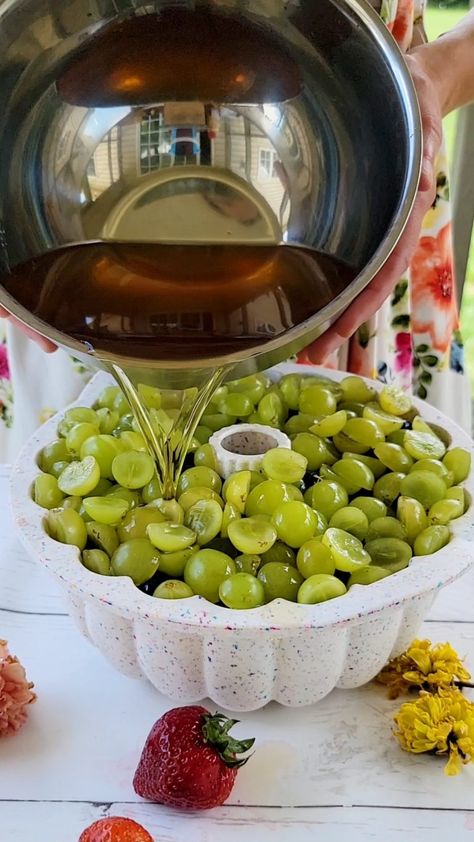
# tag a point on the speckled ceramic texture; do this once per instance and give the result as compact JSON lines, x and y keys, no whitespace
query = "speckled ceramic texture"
{"x":192,"y":650}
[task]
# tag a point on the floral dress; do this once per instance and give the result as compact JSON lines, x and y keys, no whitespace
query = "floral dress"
{"x":413,"y":340}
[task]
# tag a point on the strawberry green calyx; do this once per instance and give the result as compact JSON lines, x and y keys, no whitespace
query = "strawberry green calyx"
{"x":215,"y":732}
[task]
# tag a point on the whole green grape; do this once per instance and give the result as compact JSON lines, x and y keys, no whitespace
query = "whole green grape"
{"x":320,"y":588}
{"x":242,"y":591}
{"x":280,"y":581}
{"x":206,"y":570}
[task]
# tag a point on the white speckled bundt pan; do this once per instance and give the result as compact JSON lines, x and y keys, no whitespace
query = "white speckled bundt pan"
{"x":191,"y":650}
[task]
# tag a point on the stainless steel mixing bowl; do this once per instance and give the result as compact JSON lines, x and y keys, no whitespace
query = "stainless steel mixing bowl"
{"x":316,"y":141}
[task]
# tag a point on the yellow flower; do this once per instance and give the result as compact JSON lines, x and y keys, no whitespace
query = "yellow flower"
{"x":424,"y":666}
{"x":441,"y":723}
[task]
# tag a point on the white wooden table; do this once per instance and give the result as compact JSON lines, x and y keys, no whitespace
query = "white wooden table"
{"x":330,"y":773}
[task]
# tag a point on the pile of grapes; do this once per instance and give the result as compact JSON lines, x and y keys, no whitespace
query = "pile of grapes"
{"x":366,"y":486}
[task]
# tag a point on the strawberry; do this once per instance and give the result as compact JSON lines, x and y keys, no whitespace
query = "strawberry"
{"x":115,"y":830}
{"x":189,"y":759}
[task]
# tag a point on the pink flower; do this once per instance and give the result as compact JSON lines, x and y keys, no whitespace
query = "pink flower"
{"x":4,"y":365}
{"x":15,"y":693}
{"x":403,"y":352}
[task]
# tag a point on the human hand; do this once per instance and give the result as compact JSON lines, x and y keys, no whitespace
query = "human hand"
{"x":45,"y":344}
{"x":382,"y":285}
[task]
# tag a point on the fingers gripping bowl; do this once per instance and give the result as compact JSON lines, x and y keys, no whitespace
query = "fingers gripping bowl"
{"x":191,"y":649}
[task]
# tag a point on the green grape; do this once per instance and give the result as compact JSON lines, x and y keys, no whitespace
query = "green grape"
{"x":458,"y":461}
{"x":197,"y":493}
{"x":136,"y":558}
{"x":110,"y":510}
{"x":389,"y":553}
{"x":280,"y":581}
{"x":96,"y":561}
{"x":423,"y":445}
{"x":387,"y":527}
{"x":432,"y":539}
{"x":171,"y":399}
{"x":424,"y":486}
{"x":314,"y":449}
{"x":314,"y":558}
{"x":330,"y":425}
{"x":320,"y":588}
{"x":436,"y":467}
{"x":173,"y":589}
{"x":199,"y":477}
{"x":354,"y":475}
{"x":230,"y":514}
{"x":412,"y":516}
{"x":67,"y":527}
{"x":55,"y":452}
{"x":300,"y":423}
{"x":152,"y":490}
{"x":72,"y":503}
{"x":236,"y":404}
{"x":242,"y":591}
{"x":133,"y":441}
{"x":217,"y":421}
{"x":318,"y":401}
{"x":46,"y":492}
{"x":137,"y":521}
{"x":205,"y":519}
{"x":397,"y":437}
{"x":344,"y":444}
{"x":327,"y":497}
{"x":353,"y":409}
{"x":284,"y":465}
{"x":236,"y":489}
{"x":107,"y":397}
{"x":294,"y":493}
{"x":126,"y":422}
{"x":458,"y":493}
{"x":203,"y":434}
{"x":57,"y":469}
{"x":279,"y":552}
{"x":173,"y":564}
{"x":364,"y":432}
{"x":256,"y":478}
{"x":104,"y":449}
{"x":78,"y":434}
{"x":295,"y":523}
{"x":254,"y":386}
{"x":206,"y":570}
{"x":394,"y":457}
{"x":388,"y":487}
{"x":102,"y":487}
{"x":131,"y":497}
{"x":265,"y":497}
{"x":386,"y":421}
{"x":346,"y":550}
{"x":356,"y":389}
{"x":170,"y":537}
{"x":170,"y":509}
{"x":247,"y":563}
{"x":368,"y":575}
{"x":375,"y":466}
{"x":394,"y":400}
{"x":150,"y":395}
{"x":102,"y":536}
{"x":121,"y":404}
{"x":77,"y":415}
{"x":133,"y":469}
{"x":351,"y":519}
{"x":205,"y":456}
{"x":445,"y":511}
{"x":371,"y":507}
{"x":290,"y":387}
{"x":108,"y":420}
{"x":252,"y":537}
{"x":271,"y":410}
{"x":80,"y":478}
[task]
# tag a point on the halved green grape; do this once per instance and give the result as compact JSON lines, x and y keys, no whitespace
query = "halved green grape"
{"x":284,"y":465}
{"x":236,"y":489}
{"x":368,"y":575}
{"x":80,"y":478}
{"x":199,"y":477}
{"x":173,"y":589}
{"x":206,"y":570}
{"x":388,"y":487}
{"x":394,"y":457}
{"x":104,"y":449}
{"x":318,"y":401}
{"x":254,"y":386}
{"x":346,"y":550}
{"x":197,"y":493}
{"x":424,"y":486}
{"x":107,"y":396}
{"x":170,"y":537}
{"x":458,"y":461}
{"x":411,"y":514}
{"x":354,"y":475}
{"x":47,"y":493}
{"x":353,"y":409}
{"x":390,"y":553}
{"x":445,"y":511}
{"x":133,"y":441}
{"x":330,"y":425}
{"x":72,"y":503}
{"x":173,"y":564}
{"x":387,"y":527}
{"x":432,"y":539}
{"x":345,"y":444}
{"x":327,"y":497}
{"x":109,"y":510}
{"x":248,"y":563}
{"x":271,"y":410}
{"x":351,"y":519}
{"x":295,"y":523}
{"x":170,"y":509}
{"x":217,"y":421}
{"x":55,"y":452}
{"x":356,"y":389}
{"x":67,"y":527}
{"x":58,"y":467}
{"x":102,"y":536}
{"x":265,"y":497}
{"x":136,"y":558}
{"x":457,"y":492}
{"x":313,"y":558}
{"x":251,"y":536}
{"x":423,"y":445}
{"x":78,"y":434}
{"x":371,"y":507}
{"x":203,"y":434}
{"x":96,"y":561}
{"x":320,"y":588}
{"x":205,"y":519}
{"x":205,"y":456}
{"x":280,"y":581}
{"x":150,"y":395}
{"x":300,"y":423}
{"x":131,"y":497}
{"x":394,"y":400}
{"x":242,"y":591}
{"x":397,"y":437}
{"x":364,"y":432}
{"x":436,"y":467}
{"x":77,"y":415}
{"x":290,"y":387}
{"x":230,"y":514}
{"x":236,"y":403}
{"x":133,"y":469}
{"x":374,"y":464}
{"x":386,"y":421}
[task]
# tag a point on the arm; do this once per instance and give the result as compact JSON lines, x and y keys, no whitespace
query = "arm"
{"x":449,"y":62}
